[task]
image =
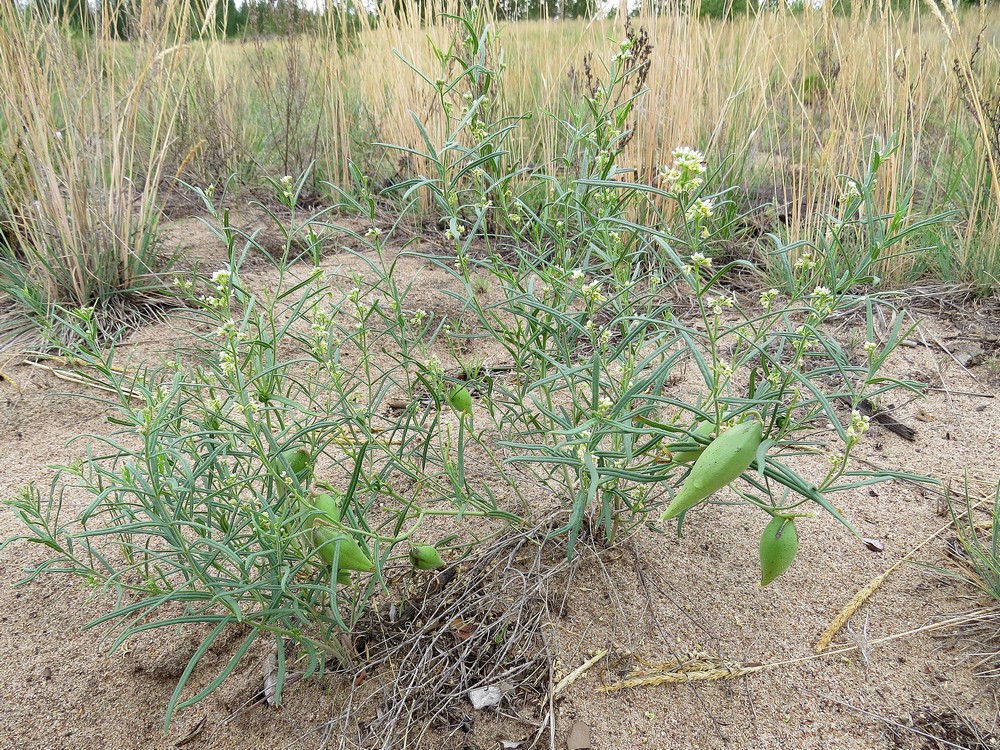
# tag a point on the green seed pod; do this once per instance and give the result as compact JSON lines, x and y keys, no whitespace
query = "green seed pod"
{"x":778,"y":545}
{"x":329,"y":506}
{"x":460,"y":399}
{"x":721,"y":463}
{"x":297,"y":461}
{"x":327,"y":537}
{"x":344,"y":577}
{"x":702,"y":429}
{"x":426,"y":557}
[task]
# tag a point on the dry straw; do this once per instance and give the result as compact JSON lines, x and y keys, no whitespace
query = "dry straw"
{"x":788,"y":101}
{"x":702,"y":667}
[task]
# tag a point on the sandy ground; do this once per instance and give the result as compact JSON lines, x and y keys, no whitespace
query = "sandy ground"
{"x":652,"y":599}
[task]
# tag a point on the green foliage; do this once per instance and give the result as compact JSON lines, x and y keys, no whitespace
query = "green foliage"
{"x":727,"y":8}
{"x":587,"y":330}
{"x":256,"y":477}
{"x":978,"y":530}
{"x":858,"y":239}
{"x":207,"y":501}
{"x":76,"y":14}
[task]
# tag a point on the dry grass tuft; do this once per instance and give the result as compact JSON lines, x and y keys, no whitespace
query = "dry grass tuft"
{"x":474,"y":625}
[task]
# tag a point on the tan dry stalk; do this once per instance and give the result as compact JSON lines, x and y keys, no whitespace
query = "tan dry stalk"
{"x":952,"y":28}
{"x":790,"y":100}
{"x":704,"y":667}
{"x":94,"y":120}
{"x":577,"y":673}
{"x":851,"y":608}
{"x":696,"y":667}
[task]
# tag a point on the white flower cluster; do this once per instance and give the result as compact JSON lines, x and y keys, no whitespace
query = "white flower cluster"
{"x":805,"y":262}
{"x":823,"y":300}
{"x":698,"y":262}
{"x":687,"y":173}
{"x":286,"y":188}
{"x":592,"y":293}
{"x":222,"y":280}
{"x":719,"y":304}
{"x":454,"y":233}
{"x":850,"y":192}
{"x":227,"y":362}
{"x":767,"y":298}
{"x":320,"y":330}
{"x":605,"y":336}
{"x":604,"y":406}
{"x":228,"y":330}
{"x":860,"y":424}
{"x":722,"y":370}
{"x":624,"y":51}
{"x":699,"y":211}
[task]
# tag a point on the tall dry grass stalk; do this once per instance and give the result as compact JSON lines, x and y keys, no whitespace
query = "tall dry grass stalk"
{"x":792,"y":100}
{"x":89,"y":127}
{"x":785,"y":101}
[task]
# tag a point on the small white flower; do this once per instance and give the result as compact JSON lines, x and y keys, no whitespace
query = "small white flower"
{"x":860,"y":424}
{"x":700,"y":210}
{"x":592,"y":292}
{"x":221,"y":279}
{"x":805,"y":262}
{"x":850,"y":193}
{"x":689,"y":158}
{"x":723,"y":370}
{"x":699,"y":260}
{"x":823,"y":300}
{"x":767,"y":298}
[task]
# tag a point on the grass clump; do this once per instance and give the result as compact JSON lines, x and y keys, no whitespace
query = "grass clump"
{"x":978,"y":553}
{"x":88,"y":128}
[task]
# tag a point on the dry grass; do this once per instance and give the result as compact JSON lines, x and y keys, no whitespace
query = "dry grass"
{"x":791,"y":100}
{"x":93,"y":128}
{"x":477,"y":625}
{"x":88,"y":130}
